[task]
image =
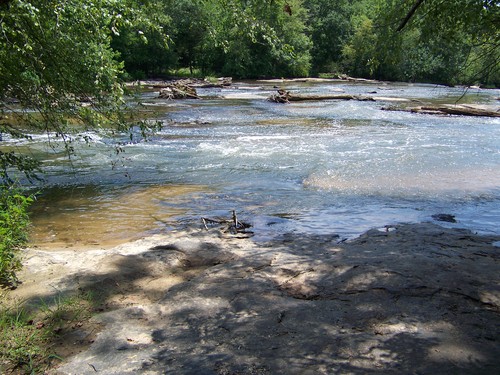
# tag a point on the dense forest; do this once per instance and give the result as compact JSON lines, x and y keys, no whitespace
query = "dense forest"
{"x":449,"y":42}
{"x":434,"y":41}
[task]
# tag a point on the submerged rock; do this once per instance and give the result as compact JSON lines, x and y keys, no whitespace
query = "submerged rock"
{"x":444,"y":217}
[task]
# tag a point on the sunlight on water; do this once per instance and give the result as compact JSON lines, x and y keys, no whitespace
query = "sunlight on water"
{"x":457,"y":184}
{"x":328,"y":166}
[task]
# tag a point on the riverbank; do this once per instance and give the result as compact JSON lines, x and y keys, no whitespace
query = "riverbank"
{"x":406,"y":299}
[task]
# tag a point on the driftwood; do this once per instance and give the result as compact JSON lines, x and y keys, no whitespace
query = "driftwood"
{"x":284,"y":96}
{"x":464,"y":111}
{"x":221,"y":82}
{"x":192,"y":82}
{"x":186,"y":88}
{"x":461,"y":110}
{"x":301,"y":98}
{"x":233,"y":225}
{"x":335,"y":78}
{"x":178,"y":90}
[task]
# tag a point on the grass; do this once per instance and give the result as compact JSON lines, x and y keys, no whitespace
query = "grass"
{"x":329,"y":75}
{"x":27,"y":335}
{"x":186,"y":73}
{"x":197,"y":73}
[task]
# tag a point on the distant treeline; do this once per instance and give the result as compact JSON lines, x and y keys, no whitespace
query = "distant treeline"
{"x":450,"y":42}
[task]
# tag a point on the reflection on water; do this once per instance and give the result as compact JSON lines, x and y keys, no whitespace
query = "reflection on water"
{"x":328,"y":166}
{"x":88,"y":215}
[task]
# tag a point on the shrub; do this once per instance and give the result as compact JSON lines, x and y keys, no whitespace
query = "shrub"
{"x":14,"y":222}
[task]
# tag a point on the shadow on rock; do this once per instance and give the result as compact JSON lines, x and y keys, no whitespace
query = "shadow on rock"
{"x":420,"y":299}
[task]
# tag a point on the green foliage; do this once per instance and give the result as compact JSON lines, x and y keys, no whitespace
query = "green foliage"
{"x":189,"y":31}
{"x":249,"y":39}
{"x":22,"y":343}
{"x":450,"y":42}
{"x":186,"y":73}
{"x":14,"y":222}
{"x":54,"y":53}
{"x":10,"y":160}
{"x":240,"y":38}
{"x":360,"y":55}
{"x":58,"y":71}
{"x":143,"y":44}
{"x":482,"y":66}
{"x":329,"y":27}
{"x":26,"y":335}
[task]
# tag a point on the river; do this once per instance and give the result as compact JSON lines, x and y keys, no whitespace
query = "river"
{"x":339,"y":167}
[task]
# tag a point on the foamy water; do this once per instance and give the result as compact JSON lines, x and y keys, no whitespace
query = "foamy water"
{"x":333,"y":166}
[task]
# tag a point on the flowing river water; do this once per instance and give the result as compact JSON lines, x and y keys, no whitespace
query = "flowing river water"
{"x":338,"y":167}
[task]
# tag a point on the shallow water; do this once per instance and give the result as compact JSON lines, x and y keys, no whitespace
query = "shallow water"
{"x":333,"y":166}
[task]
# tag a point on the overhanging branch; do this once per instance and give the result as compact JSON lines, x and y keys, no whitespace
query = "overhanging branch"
{"x":409,"y":15}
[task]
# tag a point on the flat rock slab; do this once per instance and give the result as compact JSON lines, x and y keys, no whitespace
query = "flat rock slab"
{"x":419,"y":299}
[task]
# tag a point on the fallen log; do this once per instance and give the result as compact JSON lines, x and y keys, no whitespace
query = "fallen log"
{"x":192,"y":82}
{"x":301,"y":98}
{"x":463,"y":111}
{"x":459,"y":110}
{"x":178,"y":91}
{"x":284,"y":96}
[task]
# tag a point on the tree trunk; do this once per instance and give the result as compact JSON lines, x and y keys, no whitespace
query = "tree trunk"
{"x":459,"y":110}
{"x":284,"y":96}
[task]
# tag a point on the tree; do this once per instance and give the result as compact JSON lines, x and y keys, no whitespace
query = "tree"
{"x":449,"y":42}
{"x":189,"y":29}
{"x":144,"y":43}
{"x":54,"y":56}
{"x":475,"y":21}
{"x":463,"y":34}
{"x":58,"y":74}
{"x":251,"y":38}
{"x":361,"y":53}
{"x":329,"y":26}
